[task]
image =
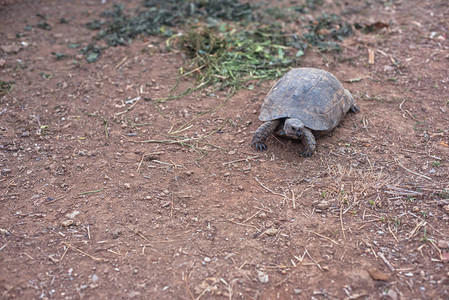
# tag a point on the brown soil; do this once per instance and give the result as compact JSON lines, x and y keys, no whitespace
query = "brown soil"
{"x":366,"y":217}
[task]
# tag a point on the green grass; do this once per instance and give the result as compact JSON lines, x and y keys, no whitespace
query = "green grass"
{"x":230,"y":44}
{"x":225,"y":57}
{"x":6,"y":87}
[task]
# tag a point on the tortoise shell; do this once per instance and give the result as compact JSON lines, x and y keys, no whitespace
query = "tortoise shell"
{"x":314,"y":96}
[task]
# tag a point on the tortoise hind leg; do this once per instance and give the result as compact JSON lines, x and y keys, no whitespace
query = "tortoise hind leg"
{"x":308,"y":140}
{"x":262,"y":133}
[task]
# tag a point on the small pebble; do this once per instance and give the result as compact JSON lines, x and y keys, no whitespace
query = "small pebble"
{"x":25,"y":134}
{"x":297,"y":291}
{"x":416,"y":209}
{"x":116,"y":233}
{"x":73,"y":214}
{"x":392,"y":294}
{"x":323,"y":204}
{"x":67,"y":223}
{"x":207,"y":259}
{"x":262,"y":215}
{"x":443,"y":244}
{"x":271,"y":231}
{"x":127,"y":185}
{"x":263,"y":278}
{"x":5,"y":171}
{"x":94,"y":278}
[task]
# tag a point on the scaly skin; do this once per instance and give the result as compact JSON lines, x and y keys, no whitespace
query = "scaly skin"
{"x":354,"y":108}
{"x":262,"y":133}
{"x":308,"y":140}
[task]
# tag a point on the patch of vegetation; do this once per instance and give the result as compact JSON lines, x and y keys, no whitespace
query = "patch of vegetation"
{"x":436,"y":163}
{"x":234,"y":57}
{"x":425,"y":237}
{"x":325,"y":32}
{"x":6,"y":87}
{"x":121,"y":27}
{"x":229,"y":43}
{"x":45,"y":75}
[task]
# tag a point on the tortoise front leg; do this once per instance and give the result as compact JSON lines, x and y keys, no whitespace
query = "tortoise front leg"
{"x":308,"y":140}
{"x":262,"y":133}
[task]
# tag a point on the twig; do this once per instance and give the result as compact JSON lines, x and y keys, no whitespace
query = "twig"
{"x":193,"y":71}
{"x":324,"y":237}
{"x":139,"y":234}
{"x":140,"y":163}
{"x":121,"y":62}
{"x":438,"y":249}
{"x":415,"y":230}
{"x":341,"y":221}
{"x":65,"y":252}
{"x":247,"y":225}
{"x":408,"y":170}
{"x":401,"y":191}
{"x":112,"y":251}
{"x":129,"y":108}
{"x":442,"y":234}
{"x":274,"y":193}
{"x":381,"y":255}
{"x":187,"y":287}
{"x":252,"y":216}
{"x":317,"y":264}
{"x":179,"y":130}
{"x":146,"y":239}
{"x":29,"y":256}
{"x":293,"y":200}
{"x":239,"y":160}
{"x":391,"y":231}
{"x":5,"y":293}
{"x":90,"y":192}
{"x":82,"y":252}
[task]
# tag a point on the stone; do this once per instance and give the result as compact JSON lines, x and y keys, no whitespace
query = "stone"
{"x":67,"y":223}
{"x":378,"y":275}
{"x":262,"y":276}
{"x":443,"y":244}
{"x":324,"y":204}
{"x":271,"y":231}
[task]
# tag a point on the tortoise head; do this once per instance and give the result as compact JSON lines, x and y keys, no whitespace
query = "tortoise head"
{"x":293,"y":127}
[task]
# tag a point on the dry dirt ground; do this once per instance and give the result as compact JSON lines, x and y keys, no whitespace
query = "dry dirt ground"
{"x":90,"y":215}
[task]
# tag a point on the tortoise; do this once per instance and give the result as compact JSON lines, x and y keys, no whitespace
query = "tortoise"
{"x":303,"y":101}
